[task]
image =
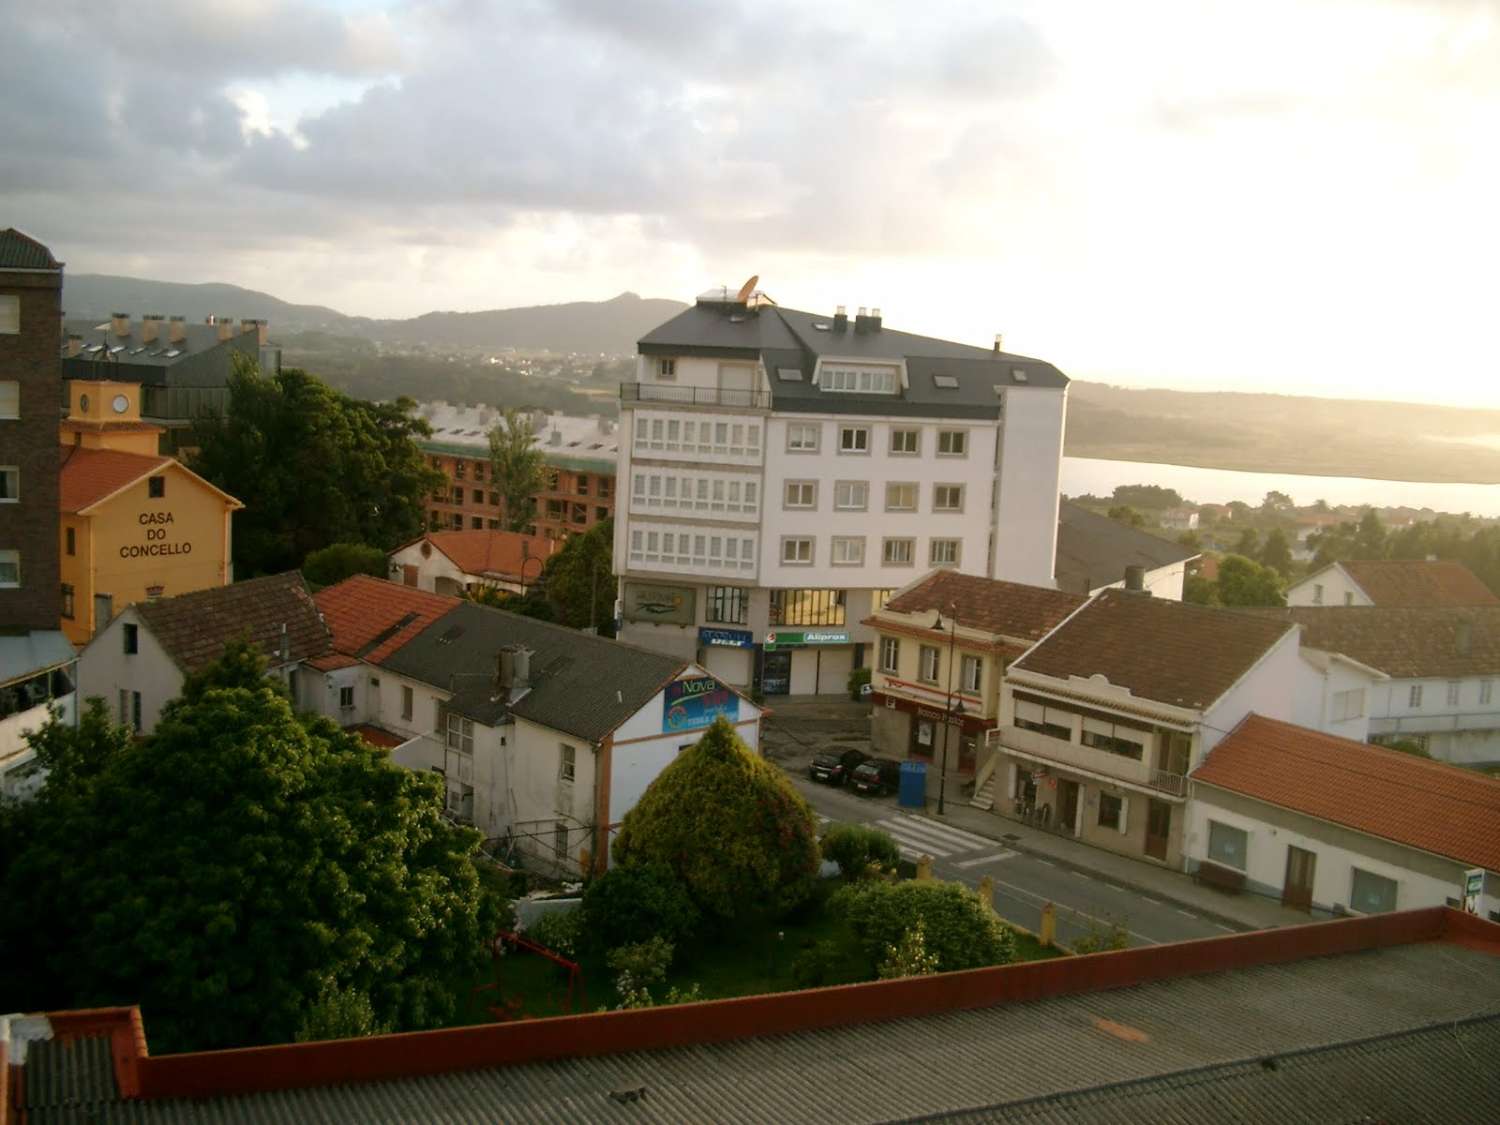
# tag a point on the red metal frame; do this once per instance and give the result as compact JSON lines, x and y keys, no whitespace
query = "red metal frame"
{"x":511,"y":1009}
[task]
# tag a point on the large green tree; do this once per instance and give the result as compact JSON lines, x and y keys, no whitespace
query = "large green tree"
{"x":729,"y":826}
{"x":1244,"y":581}
{"x":245,"y":875}
{"x":580,"y":581}
{"x":313,"y":467}
{"x":1276,"y":552}
{"x":517,"y":467}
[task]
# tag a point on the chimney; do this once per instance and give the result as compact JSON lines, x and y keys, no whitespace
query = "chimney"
{"x":999,"y":343}
{"x":119,"y":324}
{"x":523,"y":669}
{"x":263,"y":332}
{"x":1463,"y":638}
{"x":875,"y":319}
{"x":151,"y":328}
{"x":505,"y":670}
{"x":1135,"y":579}
{"x":176,"y":330}
{"x":75,"y":344}
{"x":840,"y":319}
{"x":225,"y":324}
{"x":555,"y":437}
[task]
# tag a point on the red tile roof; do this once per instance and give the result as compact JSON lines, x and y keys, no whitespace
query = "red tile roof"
{"x":1424,"y":804}
{"x":1404,"y":642}
{"x":377,"y":736}
{"x":491,"y":552}
{"x":195,"y":627}
{"x":1164,"y":651}
{"x":1413,"y":582}
{"x":331,"y":661}
{"x":1007,"y":609}
{"x":371,"y":618}
{"x":89,"y":475}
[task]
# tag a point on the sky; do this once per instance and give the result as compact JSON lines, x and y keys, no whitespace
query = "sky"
{"x":1287,"y":195}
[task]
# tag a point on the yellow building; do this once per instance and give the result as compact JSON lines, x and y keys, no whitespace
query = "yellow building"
{"x":134,"y":525}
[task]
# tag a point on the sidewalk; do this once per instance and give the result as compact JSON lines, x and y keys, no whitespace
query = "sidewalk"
{"x":1242,"y":911}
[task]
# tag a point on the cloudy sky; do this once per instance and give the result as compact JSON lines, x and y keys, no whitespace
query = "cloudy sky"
{"x":1291,"y":195}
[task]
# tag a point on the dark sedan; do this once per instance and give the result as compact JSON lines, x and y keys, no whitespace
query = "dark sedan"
{"x":876,"y":776}
{"x":834,"y":769}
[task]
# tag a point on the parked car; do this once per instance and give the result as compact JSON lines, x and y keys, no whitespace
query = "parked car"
{"x":834,"y":769}
{"x":877,"y":776}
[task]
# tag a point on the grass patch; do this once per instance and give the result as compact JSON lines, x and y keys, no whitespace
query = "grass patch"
{"x":1029,"y":948}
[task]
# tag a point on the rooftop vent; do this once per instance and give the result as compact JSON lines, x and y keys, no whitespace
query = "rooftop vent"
{"x":1018,"y":375}
{"x":822,"y":325}
{"x":840,"y":319}
{"x":999,"y":342}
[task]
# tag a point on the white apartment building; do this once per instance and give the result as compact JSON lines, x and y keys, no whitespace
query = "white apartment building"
{"x":781,"y":473}
{"x":38,"y":684}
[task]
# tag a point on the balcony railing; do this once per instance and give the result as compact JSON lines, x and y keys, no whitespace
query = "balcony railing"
{"x":1066,"y":753}
{"x":695,"y":396}
{"x":1168,"y":782}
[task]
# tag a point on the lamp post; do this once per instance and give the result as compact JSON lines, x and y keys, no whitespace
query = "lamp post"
{"x":948,"y":711}
{"x":527,"y":560}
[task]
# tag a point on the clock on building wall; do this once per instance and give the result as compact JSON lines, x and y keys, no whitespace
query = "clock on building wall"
{"x":121,"y":404}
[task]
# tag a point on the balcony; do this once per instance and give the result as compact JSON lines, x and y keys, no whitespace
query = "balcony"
{"x":1168,"y":782}
{"x":695,"y":396}
{"x":1099,"y":763}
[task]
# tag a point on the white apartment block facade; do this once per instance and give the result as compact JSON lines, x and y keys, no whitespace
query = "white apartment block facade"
{"x":780,"y":474}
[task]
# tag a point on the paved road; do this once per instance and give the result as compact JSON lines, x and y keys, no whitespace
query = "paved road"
{"x":1023,"y":882}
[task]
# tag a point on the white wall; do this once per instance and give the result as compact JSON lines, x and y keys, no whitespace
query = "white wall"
{"x":1337,"y":586}
{"x":18,"y":780}
{"x":1466,"y":733}
{"x":436,"y":565}
{"x":1030,"y":465}
{"x":1321,"y":680}
{"x":1164,"y":582}
{"x":1269,"y":688}
{"x":105,"y":669}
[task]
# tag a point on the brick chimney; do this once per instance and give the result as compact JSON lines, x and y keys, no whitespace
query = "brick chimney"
{"x":176,"y":330}
{"x":151,"y":327}
{"x":119,"y":324}
{"x":225,"y":325}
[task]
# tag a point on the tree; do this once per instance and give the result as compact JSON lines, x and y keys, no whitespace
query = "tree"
{"x":1369,"y":536}
{"x":1190,"y":540}
{"x":1249,"y":543}
{"x":730,"y":828}
{"x":1276,"y":553}
{"x":313,"y":468}
{"x":959,"y":930}
{"x":909,"y":957}
{"x":1147,"y":496}
{"x":1276,"y":502}
{"x":580,"y":579}
{"x":627,"y":905}
{"x":1244,"y":581}
{"x":1200,"y":590}
{"x":74,"y":757}
{"x":1122,"y":513}
{"x":856,"y":848}
{"x":339,"y":561}
{"x":517,"y":467}
{"x":247,"y":875}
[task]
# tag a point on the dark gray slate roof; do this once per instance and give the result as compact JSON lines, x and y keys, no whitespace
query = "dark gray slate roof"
{"x":202,"y":360}
{"x":787,"y":338}
{"x":1094,"y":550}
{"x":22,"y":252}
{"x":581,"y":684}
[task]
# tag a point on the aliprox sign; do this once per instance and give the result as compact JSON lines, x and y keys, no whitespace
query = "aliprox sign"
{"x":798,"y":638}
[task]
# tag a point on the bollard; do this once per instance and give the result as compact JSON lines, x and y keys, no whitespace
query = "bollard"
{"x":987,"y":892}
{"x":924,"y":867}
{"x":1048,"y":932}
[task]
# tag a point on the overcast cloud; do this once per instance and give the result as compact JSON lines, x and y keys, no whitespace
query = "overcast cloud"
{"x":1288,"y":195}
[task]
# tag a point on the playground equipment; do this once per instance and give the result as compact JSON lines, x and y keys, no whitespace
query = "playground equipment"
{"x":508,"y":943}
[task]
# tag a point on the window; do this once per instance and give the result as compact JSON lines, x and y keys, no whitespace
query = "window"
{"x":476,"y":522}
{"x":953,"y":443}
{"x":1414,"y":696}
{"x":460,"y":733}
{"x":10,"y":568}
{"x":1486,"y":691}
{"x":560,"y":838}
{"x":927,"y":664}
{"x":407,"y":701}
{"x":947,"y":498}
{"x":906,"y":442}
{"x":890,"y":654}
{"x":851,"y":495}
{"x":901,"y":497}
{"x":10,"y":398}
{"x":727,"y":605}
{"x":1348,"y":597}
{"x":801,"y":494}
{"x":10,"y":314}
{"x":72,"y":541}
{"x":1348,"y":704}
{"x":869,"y":380}
{"x":807,"y":607}
{"x":459,"y":469}
{"x":458,"y":495}
{"x":1370,"y":893}
{"x":878,"y":598}
{"x":1317,"y":593}
{"x":154,"y":593}
{"x":156,"y":487}
{"x":67,"y":601}
{"x":478,"y":470}
{"x":346,"y":698}
{"x":971,"y":670}
{"x":1227,"y":845}
{"x":802,"y":437}
{"x":897,"y":552}
{"x":666,"y":369}
{"x":131,"y":636}
{"x":604,"y":488}
{"x":565,"y":765}
{"x":943,"y":552}
{"x":848,"y":550}
{"x":135,"y":711}
{"x":1109,"y":811}
{"x":580,"y":513}
{"x":124,"y":707}
{"x":1044,"y":718}
{"x":600,"y":513}
{"x":1452,"y":693}
{"x":10,"y":484}
{"x":797,"y":552}
{"x":1103,"y":733}
{"x":854,"y":439}
{"x":458,"y":521}
{"x":582,"y":484}
{"x":494,"y":499}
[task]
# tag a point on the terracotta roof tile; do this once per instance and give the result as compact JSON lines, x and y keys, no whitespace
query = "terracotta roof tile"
{"x":1429,"y":805}
{"x":89,"y":475}
{"x":1407,"y":582}
{"x":194,"y":628}
{"x":331,"y":662}
{"x":491,"y":552}
{"x":1007,"y":609}
{"x":1406,"y":642}
{"x":371,"y":618}
{"x":377,"y":736}
{"x":1164,"y":651}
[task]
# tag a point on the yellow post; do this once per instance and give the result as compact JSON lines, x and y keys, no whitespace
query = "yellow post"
{"x":1049,"y":926}
{"x":924,"y":867}
{"x":987,"y":892}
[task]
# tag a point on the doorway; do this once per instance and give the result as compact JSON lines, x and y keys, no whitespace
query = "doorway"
{"x":1300,"y":867}
{"x":1158,"y":828}
{"x":1067,"y":805}
{"x":776,"y":673}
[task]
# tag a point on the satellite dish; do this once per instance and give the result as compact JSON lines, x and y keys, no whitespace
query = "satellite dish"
{"x":746,"y":289}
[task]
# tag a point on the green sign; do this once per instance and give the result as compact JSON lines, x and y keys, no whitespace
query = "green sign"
{"x":800,"y":638}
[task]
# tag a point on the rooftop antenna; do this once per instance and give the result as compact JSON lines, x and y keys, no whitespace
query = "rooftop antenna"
{"x":747,"y":289}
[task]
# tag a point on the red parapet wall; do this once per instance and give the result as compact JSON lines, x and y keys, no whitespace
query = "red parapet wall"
{"x":253,"y":1069}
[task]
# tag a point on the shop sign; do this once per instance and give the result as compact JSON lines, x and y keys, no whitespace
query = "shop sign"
{"x":1473,"y":889}
{"x":696,"y":702}
{"x":797,"y":638}
{"x":667,"y":605}
{"x":726,"y":638}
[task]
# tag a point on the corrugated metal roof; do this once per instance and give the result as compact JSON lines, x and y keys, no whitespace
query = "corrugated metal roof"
{"x":22,"y":252}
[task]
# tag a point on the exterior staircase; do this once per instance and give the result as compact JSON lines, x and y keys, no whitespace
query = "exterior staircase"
{"x":984,"y":795}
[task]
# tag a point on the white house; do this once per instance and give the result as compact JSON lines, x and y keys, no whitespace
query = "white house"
{"x":545,"y":736}
{"x":1332,"y":824}
{"x":450,"y":562}
{"x":41,"y":669}
{"x":138,"y":662}
{"x":1391,"y":582}
{"x":1097,"y":553}
{"x":781,"y":472}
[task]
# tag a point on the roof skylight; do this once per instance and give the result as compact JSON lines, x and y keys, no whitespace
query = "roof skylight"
{"x":789,"y":374}
{"x":945,"y":382}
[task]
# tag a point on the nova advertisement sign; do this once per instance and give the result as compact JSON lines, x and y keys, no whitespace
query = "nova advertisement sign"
{"x":693,"y":703}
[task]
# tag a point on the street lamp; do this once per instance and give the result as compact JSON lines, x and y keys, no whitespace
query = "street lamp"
{"x":526,"y":560}
{"x":949,"y":711}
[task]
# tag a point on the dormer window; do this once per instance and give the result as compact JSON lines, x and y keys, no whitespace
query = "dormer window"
{"x":862,"y":379}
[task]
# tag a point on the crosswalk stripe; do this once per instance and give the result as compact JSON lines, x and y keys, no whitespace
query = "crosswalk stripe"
{"x":996,"y":858}
{"x":958,"y":833}
{"x":922,"y":844}
{"x":925,"y":829}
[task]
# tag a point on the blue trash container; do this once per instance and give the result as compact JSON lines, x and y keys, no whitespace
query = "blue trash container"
{"x":913,"y":793}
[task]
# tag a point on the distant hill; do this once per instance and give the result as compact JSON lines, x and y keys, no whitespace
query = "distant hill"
{"x":611,"y":326}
